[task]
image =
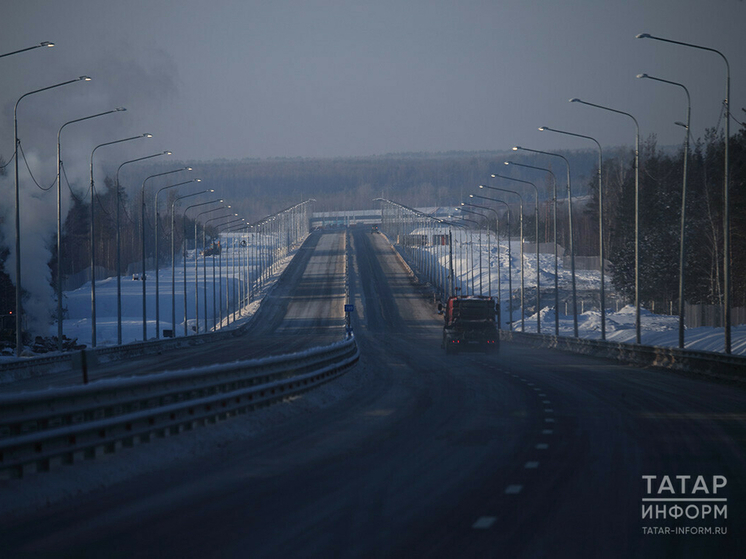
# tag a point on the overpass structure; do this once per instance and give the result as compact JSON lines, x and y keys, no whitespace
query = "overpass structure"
{"x":364,"y":217}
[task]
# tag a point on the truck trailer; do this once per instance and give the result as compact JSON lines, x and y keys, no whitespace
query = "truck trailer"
{"x":470,"y":324}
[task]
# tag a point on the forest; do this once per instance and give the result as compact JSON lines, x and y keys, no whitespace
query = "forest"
{"x":256,"y":188}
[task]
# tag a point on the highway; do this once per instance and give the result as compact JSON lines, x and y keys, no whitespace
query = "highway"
{"x":304,"y":310}
{"x":525,"y":453}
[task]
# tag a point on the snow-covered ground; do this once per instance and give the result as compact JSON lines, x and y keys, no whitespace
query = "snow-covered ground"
{"x":78,"y":322}
{"x":656,"y":329}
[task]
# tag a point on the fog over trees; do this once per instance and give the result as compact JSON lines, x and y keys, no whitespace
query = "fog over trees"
{"x":259,"y":187}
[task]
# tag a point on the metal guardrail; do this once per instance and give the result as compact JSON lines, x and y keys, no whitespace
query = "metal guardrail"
{"x":720,"y":365}
{"x":40,"y":365}
{"x":36,"y":366}
{"x":41,"y":430}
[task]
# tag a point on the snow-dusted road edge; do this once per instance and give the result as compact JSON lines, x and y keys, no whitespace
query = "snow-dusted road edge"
{"x":45,"y":429}
{"x":719,"y":365}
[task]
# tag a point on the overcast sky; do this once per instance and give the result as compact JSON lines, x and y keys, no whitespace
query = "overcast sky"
{"x":323,"y":78}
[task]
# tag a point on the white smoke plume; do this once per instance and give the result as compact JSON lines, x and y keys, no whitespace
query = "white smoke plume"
{"x":38,"y":223}
{"x":141,"y":88}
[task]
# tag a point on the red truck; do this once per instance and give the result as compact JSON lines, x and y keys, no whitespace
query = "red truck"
{"x":470,"y":324}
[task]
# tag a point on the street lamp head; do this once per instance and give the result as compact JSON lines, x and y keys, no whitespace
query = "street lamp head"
{"x":84,"y":78}
{"x":49,"y":44}
{"x":120,"y":109}
{"x":187,"y":168}
{"x":677,"y":123}
{"x":575,"y":100}
{"x":642,"y":76}
{"x":147,"y":135}
{"x":516,"y":148}
{"x":493,"y":176}
{"x":481,"y":186}
{"x":542,"y":128}
{"x":643,"y":36}
{"x":471,"y":196}
{"x":200,"y":180}
{"x":166,"y":152}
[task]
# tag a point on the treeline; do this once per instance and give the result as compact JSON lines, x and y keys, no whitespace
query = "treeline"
{"x":661,"y":180}
{"x":261,"y":187}
{"x":257,"y":188}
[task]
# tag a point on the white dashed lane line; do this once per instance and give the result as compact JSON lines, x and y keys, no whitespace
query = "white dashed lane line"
{"x":484,"y":522}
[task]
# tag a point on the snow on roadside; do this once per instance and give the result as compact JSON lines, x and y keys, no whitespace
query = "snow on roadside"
{"x":656,"y":329}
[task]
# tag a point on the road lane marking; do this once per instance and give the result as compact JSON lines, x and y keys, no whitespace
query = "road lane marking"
{"x":484,"y":522}
{"x":548,"y":410}
{"x":547,"y":432}
{"x":531,"y":465}
{"x":542,"y":446}
{"x":549,"y":420}
{"x":513,"y":489}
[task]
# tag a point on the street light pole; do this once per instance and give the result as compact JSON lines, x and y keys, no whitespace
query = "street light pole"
{"x":556,"y":256}
{"x":638,"y":330}
{"x":16,"y":144}
{"x":59,"y":217}
{"x":602,"y":293}
{"x":682,"y":235}
{"x":726,"y":182}
{"x":489,"y":272}
{"x":119,"y":244}
{"x":195,"y":250}
{"x":221,"y":251}
{"x":93,"y":237}
{"x":510,"y":264}
{"x":572,"y":244}
{"x":157,"y":219}
{"x":536,"y":233}
{"x":463,"y":209}
{"x":142,"y":230}
{"x":42,"y":44}
{"x":470,"y":252}
{"x":204,"y":262}
{"x":520,"y":221}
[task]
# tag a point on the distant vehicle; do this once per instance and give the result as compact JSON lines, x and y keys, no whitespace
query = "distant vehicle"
{"x":374,"y":229}
{"x":214,"y":248}
{"x":470,"y":324}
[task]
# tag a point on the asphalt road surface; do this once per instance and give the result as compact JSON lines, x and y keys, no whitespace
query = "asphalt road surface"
{"x":525,"y":453}
{"x":304,"y":309}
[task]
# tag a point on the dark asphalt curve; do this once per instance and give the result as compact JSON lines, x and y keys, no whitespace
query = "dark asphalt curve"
{"x":529,"y":453}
